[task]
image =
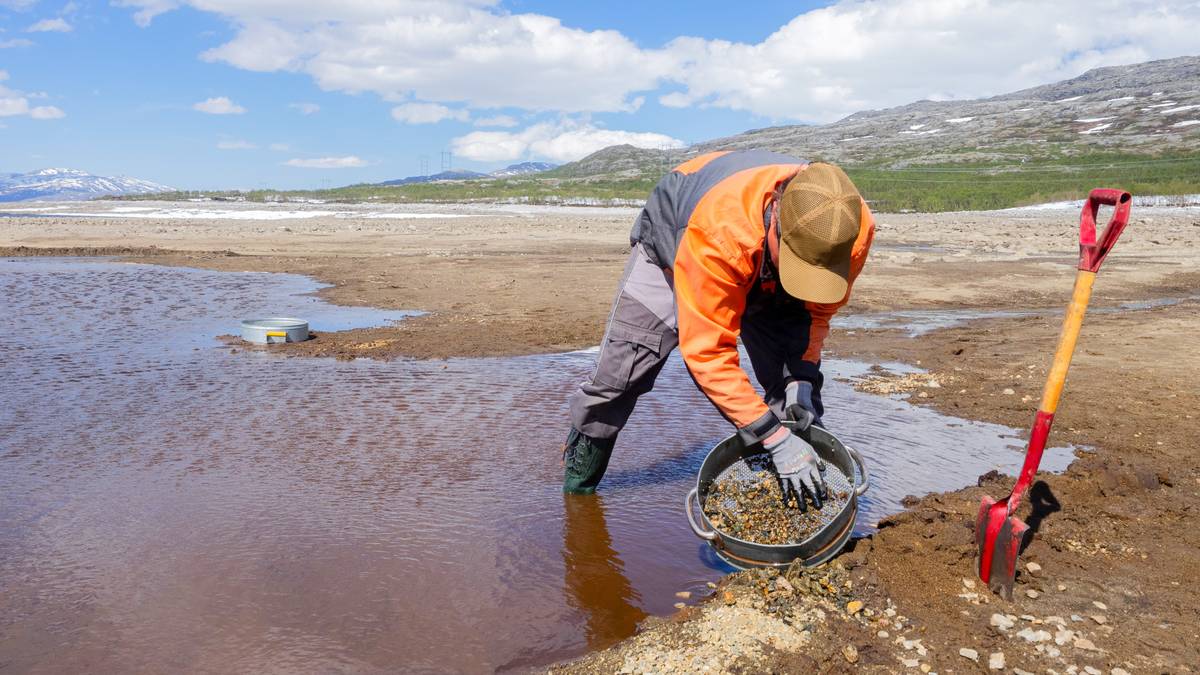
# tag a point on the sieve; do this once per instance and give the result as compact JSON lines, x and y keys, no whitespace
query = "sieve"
{"x":731,"y":458}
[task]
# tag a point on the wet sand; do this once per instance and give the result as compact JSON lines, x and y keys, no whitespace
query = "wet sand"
{"x":1114,"y":529}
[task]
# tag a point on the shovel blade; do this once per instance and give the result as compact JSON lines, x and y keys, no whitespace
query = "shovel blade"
{"x":999,"y":537}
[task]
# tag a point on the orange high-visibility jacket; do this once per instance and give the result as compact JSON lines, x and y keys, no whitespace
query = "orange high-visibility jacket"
{"x":704,"y":223}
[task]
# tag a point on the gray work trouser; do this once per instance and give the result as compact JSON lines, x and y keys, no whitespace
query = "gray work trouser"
{"x":642,"y":332}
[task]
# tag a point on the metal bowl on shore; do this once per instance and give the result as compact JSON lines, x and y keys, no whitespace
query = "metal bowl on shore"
{"x":845,"y":468}
{"x":274,"y":330}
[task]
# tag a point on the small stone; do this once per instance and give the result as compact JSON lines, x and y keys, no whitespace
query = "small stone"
{"x":910,"y":663}
{"x":1099,"y":605}
{"x":1091,"y":670}
{"x":925,"y":667}
{"x":1032,"y":567}
{"x":680,"y":605}
{"x":851,"y":653}
{"x":1100,"y":619}
{"x":729,"y":598}
{"x":1002,"y":622}
{"x":854,"y":606}
{"x":1063,"y":636}
{"x":710,"y":584}
{"x":1032,"y":594}
{"x":923,"y":394}
{"x":1053,"y":652}
{"x":889,"y":612}
{"x":683,"y":594}
{"x":1085,"y":644}
{"x":996,"y":661}
{"x":1008,"y":391}
{"x":968,"y":583}
{"x":1076,"y":617}
{"x":967,"y":653}
{"x":883,"y":634}
{"x":1031,"y":635}
{"x":1118,"y":671}
{"x":1018,"y":671}
{"x":1062,"y":587}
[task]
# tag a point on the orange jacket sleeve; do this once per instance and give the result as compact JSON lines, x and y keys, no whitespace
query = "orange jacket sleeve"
{"x":713,"y":274}
{"x":821,"y":313}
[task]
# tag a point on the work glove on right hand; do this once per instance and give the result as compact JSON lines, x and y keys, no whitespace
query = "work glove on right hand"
{"x":799,"y":468}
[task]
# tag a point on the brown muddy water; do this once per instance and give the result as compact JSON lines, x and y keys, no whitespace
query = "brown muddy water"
{"x":169,"y":506}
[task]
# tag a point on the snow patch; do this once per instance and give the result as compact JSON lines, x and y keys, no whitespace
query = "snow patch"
{"x":1123,"y":98}
{"x":959,"y":120}
{"x":1181,"y":108}
{"x":1185,"y":123}
{"x":916,"y":126}
{"x":1097,"y":129}
{"x":1068,"y":100}
{"x":1093,"y":120}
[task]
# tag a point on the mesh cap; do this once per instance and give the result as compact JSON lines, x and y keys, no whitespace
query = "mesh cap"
{"x":820,"y":213}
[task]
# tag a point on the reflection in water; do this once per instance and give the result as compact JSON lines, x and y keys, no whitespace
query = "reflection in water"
{"x":595,"y":574}
{"x":169,"y":506}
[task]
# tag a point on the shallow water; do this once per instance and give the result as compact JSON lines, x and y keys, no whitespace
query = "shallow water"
{"x":169,"y":506}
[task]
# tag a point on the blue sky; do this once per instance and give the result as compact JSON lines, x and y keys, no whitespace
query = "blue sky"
{"x":305,"y":93}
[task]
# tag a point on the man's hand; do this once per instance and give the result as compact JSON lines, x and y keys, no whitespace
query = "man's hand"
{"x":798,"y":466}
{"x":798,"y":405}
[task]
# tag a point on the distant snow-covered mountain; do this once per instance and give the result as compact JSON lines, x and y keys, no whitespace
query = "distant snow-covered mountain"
{"x":70,"y":184}
{"x":523,"y":168}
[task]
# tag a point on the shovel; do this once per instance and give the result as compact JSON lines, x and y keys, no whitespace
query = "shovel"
{"x":999,"y":533}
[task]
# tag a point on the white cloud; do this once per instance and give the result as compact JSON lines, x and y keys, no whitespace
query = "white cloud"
{"x":17,"y":42}
{"x":821,"y":65}
{"x":18,"y":5}
{"x":50,"y":26}
{"x":14,"y":103}
{"x":506,"y":121}
{"x":236,"y":145}
{"x":220,"y":105}
{"x":305,"y":108}
{"x":348,"y":162}
{"x":427,"y":113}
{"x":564,"y":141}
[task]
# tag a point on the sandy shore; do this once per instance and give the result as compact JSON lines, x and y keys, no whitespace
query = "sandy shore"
{"x":1114,"y":543}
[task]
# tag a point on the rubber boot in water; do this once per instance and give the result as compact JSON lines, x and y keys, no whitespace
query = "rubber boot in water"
{"x":584,"y":461}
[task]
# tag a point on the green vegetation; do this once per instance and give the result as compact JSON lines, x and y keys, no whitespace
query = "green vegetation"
{"x":890,"y":185}
{"x":978,"y":186}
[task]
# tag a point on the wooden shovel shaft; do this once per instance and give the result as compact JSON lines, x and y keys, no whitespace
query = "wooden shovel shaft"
{"x":1054,"y":385}
{"x":1066,"y":341}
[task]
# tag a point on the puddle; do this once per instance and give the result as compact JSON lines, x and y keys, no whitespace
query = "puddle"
{"x":168,"y":506}
{"x":918,"y":322}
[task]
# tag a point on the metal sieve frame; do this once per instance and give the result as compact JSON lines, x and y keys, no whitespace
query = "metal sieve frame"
{"x":818,"y":548}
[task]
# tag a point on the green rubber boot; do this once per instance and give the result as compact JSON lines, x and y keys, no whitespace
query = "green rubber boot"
{"x":584,"y":461}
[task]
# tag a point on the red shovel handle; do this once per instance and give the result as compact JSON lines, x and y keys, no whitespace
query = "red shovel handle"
{"x":1091,"y":253}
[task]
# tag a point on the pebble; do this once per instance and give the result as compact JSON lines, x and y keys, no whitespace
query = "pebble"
{"x":1090,"y":670}
{"x":851,"y":653}
{"x":967,"y":653}
{"x":1100,"y":619}
{"x":1031,"y":635}
{"x":969,"y":583}
{"x":923,"y":394}
{"x":1033,"y":568}
{"x":996,"y":661}
{"x":1099,"y":605}
{"x":710,"y":584}
{"x":883,"y":634}
{"x":784,"y":584}
{"x":1032,"y":593}
{"x":683,"y":594}
{"x":1008,"y":391}
{"x":1119,"y":671}
{"x":1062,"y":587}
{"x":854,"y":606}
{"x":910,"y":663}
{"x":1076,"y":617}
{"x":1002,"y":622}
{"x":1018,"y":671}
{"x":925,"y":667}
{"x":680,"y":605}
{"x":1086,"y":644}
{"x":1063,"y":636}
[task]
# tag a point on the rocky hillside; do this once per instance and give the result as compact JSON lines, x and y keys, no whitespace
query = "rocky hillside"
{"x":70,"y":184}
{"x":1145,"y":109}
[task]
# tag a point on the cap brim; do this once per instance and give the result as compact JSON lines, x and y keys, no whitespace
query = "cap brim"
{"x":811,"y":283}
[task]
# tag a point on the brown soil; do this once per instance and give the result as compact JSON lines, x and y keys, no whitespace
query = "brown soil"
{"x":1114,"y":535}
